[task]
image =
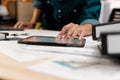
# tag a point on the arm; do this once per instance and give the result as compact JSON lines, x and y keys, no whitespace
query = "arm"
{"x":29,"y":25}
{"x":35,"y":16}
{"x":37,"y":10}
{"x":90,"y":15}
{"x":36,"y":13}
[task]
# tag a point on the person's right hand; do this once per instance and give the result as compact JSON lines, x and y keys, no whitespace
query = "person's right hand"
{"x":23,"y":25}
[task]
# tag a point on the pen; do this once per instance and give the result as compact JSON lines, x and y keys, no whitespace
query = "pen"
{"x":23,"y":34}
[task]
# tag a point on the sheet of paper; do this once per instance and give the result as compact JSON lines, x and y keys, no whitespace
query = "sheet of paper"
{"x":66,"y":50}
{"x":87,"y":68}
{"x":90,"y":49}
{"x":20,"y":53}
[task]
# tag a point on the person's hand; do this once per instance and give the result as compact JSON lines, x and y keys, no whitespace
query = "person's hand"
{"x":23,"y":25}
{"x":72,"y":30}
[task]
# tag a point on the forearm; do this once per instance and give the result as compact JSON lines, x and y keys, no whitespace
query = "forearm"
{"x":35,"y":17}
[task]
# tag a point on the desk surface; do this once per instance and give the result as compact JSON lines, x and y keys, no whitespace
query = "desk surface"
{"x":16,"y":69}
{"x":11,"y":69}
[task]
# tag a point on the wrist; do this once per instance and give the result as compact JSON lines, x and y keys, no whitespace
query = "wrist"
{"x":32,"y":22}
{"x":88,"y":29}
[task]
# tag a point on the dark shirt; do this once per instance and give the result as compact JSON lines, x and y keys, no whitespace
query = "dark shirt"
{"x":57,"y":13}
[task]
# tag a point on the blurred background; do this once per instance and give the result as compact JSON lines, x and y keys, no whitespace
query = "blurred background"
{"x":12,"y":11}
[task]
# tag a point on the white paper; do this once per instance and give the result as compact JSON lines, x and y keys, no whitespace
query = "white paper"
{"x":66,"y":50}
{"x":20,"y":53}
{"x":2,"y":36}
{"x":90,"y":48}
{"x":90,"y":68}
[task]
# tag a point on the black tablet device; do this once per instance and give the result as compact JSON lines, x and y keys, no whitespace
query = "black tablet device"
{"x":52,"y":41}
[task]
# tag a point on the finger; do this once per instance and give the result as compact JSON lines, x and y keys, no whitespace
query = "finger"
{"x":16,"y":25}
{"x":20,"y":25}
{"x":75,"y":34}
{"x":81,"y":35}
{"x":60,"y":36}
{"x":77,"y":30}
{"x":64,"y":30}
{"x":71,"y":31}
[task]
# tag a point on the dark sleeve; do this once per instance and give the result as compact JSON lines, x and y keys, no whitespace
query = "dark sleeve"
{"x":91,"y":12}
{"x":37,"y":4}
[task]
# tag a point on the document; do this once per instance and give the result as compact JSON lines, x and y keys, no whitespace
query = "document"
{"x":22,"y":52}
{"x":80,"y":68}
{"x":90,"y":49}
{"x":19,"y":52}
{"x":66,"y":50}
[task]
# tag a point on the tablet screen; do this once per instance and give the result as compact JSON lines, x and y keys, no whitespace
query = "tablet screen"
{"x":52,"y":41}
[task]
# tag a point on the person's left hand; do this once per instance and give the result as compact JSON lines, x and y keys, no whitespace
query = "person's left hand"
{"x":72,"y":30}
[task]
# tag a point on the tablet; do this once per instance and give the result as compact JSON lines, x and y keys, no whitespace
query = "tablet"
{"x":52,"y":41}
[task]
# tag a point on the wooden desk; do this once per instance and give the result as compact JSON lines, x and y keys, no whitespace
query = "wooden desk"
{"x":13,"y":70}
